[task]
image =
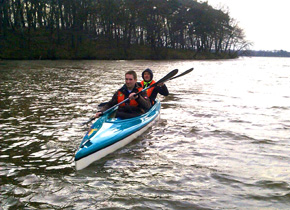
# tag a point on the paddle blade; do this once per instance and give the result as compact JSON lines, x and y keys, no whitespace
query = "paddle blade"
{"x":167,"y":77}
{"x":182,"y":74}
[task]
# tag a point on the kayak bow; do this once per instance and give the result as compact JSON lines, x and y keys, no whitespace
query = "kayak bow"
{"x":107,"y":135}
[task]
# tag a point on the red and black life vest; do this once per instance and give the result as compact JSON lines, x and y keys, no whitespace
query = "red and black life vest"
{"x":121,"y":97}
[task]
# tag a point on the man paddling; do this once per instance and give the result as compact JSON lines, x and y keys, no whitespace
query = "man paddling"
{"x":161,"y":88}
{"x":135,"y":106}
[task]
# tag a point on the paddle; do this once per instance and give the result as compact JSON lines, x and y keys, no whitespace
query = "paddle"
{"x":162,"y":80}
{"x":182,"y":74}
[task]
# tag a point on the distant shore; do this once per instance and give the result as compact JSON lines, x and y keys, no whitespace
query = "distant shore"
{"x":90,"y":52}
{"x":263,"y":53}
{"x":134,"y":53}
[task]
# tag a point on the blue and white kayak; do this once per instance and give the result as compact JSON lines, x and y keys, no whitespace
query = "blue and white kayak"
{"x":107,"y":135}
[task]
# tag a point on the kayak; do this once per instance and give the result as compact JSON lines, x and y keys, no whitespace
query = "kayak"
{"x":109,"y":134}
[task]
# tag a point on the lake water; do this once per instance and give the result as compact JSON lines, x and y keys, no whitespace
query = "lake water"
{"x":222,"y":140}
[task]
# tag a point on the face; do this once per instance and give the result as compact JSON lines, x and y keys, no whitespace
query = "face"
{"x":130,"y":81}
{"x":147,"y":76}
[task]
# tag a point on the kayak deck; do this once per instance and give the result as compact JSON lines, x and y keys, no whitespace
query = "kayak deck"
{"x":107,"y":135}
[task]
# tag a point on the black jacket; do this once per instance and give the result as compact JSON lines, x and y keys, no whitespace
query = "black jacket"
{"x":157,"y":89}
{"x":161,"y":90}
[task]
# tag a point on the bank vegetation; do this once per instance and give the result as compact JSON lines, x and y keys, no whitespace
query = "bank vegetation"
{"x":117,"y":29}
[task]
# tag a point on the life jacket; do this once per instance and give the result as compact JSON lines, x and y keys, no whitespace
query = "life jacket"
{"x":149,"y":90}
{"x":121,"y":97}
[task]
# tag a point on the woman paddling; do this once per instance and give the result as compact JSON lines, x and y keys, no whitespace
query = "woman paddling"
{"x":161,"y":88}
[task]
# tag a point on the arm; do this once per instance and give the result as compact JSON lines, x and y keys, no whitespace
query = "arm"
{"x":142,"y":100}
{"x":162,"y":89}
{"x":112,"y":102}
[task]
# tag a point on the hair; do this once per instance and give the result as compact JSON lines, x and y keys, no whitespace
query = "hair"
{"x":132,"y":73}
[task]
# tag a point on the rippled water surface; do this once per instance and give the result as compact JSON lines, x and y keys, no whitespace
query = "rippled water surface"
{"x":222,"y":141}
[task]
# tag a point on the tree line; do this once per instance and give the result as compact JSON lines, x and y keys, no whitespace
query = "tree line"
{"x":96,"y":28}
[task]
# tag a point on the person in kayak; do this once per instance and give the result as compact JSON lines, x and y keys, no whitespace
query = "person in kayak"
{"x":135,"y":106}
{"x":161,"y":88}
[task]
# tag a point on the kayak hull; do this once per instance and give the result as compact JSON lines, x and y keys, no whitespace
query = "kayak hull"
{"x":107,"y":135}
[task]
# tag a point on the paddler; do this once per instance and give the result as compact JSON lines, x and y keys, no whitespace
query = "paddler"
{"x":137,"y":105}
{"x":161,"y":88}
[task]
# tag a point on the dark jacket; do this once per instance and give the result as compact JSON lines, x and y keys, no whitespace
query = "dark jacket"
{"x":157,"y":89}
{"x":161,"y":90}
{"x":128,"y":111}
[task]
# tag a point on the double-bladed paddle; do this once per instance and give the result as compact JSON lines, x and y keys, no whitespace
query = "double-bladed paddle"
{"x":162,"y":80}
{"x":182,"y":74}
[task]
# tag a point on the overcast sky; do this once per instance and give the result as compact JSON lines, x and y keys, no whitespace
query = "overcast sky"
{"x":266,"y":23}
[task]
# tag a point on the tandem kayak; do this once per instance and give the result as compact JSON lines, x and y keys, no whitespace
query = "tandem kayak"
{"x":107,"y":135}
